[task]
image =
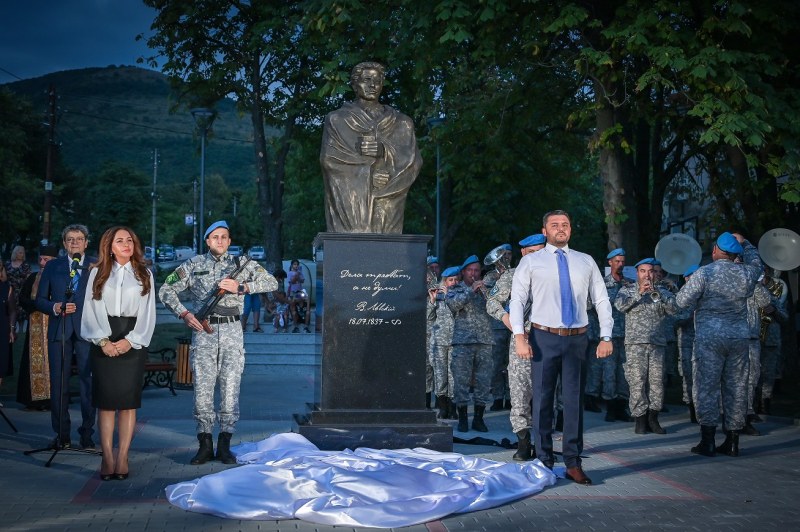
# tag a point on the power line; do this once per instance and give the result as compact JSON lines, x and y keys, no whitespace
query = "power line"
{"x":10,"y":73}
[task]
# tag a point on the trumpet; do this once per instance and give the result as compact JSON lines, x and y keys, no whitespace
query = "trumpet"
{"x":651,"y":292}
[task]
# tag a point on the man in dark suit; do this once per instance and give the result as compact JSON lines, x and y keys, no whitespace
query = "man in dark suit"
{"x":60,"y":296}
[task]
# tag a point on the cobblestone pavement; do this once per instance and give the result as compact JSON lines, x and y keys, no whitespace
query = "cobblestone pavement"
{"x":646,"y":482}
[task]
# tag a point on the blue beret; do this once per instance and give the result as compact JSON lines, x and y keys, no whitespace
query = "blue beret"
{"x":470,"y":260}
{"x":451,"y":271}
{"x":614,"y":252}
{"x":433,"y":260}
{"x":656,"y":262}
{"x":506,"y":247}
{"x":533,"y":240}
{"x":690,"y":270}
{"x":648,"y":260}
{"x":216,"y":225}
{"x":728,"y":243}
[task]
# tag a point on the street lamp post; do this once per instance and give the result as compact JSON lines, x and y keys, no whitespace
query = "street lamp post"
{"x":203,"y":117}
{"x":432,"y":123}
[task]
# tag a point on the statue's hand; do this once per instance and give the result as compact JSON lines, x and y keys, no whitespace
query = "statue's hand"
{"x":380,"y":179}
{"x":368,"y":145}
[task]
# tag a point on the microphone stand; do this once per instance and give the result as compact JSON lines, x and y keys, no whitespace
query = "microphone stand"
{"x":66,"y":365}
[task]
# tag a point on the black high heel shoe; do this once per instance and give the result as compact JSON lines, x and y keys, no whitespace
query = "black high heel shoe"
{"x":119,"y":476}
{"x":106,"y":477}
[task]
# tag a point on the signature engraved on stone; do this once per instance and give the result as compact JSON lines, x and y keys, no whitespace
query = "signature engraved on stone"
{"x":362,"y":306}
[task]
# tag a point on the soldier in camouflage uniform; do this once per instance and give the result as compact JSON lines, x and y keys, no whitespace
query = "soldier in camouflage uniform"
{"x":519,"y":369}
{"x":771,"y":347}
{"x":218,"y":357}
{"x":760,"y":294}
{"x":609,"y":372}
{"x":432,"y":280}
{"x":472,"y":344}
{"x":671,"y":350}
{"x":500,"y":259}
{"x":440,"y":321}
{"x":645,"y":306}
{"x":718,"y":293}
{"x":684,"y":331}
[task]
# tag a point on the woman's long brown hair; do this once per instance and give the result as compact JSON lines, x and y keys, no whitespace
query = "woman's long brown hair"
{"x":105,"y":261}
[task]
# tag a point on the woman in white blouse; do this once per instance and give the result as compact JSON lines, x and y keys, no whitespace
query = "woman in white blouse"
{"x":119,"y":316}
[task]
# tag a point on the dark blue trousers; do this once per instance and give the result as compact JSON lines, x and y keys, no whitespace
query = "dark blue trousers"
{"x":60,"y":388}
{"x":554,"y":355}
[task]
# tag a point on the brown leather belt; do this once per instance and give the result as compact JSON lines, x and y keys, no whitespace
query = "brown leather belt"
{"x":561,"y":331}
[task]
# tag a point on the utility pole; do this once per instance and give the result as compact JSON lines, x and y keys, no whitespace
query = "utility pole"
{"x":51,"y":155}
{"x":154,"y":197}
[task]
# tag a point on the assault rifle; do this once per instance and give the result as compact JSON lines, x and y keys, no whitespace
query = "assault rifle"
{"x":214,"y":298}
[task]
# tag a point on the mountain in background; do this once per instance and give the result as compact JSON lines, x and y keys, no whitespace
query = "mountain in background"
{"x":123,"y":113}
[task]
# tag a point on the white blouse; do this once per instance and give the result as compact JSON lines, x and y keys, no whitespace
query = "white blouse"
{"x":121,"y":297}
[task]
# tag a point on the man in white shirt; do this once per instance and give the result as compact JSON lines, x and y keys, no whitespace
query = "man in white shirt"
{"x":560,"y":281}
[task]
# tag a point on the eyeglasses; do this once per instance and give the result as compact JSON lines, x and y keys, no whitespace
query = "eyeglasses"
{"x":75,"y":239}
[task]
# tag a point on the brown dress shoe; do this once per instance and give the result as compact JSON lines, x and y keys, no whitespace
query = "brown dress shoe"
{"x":577,"y":475}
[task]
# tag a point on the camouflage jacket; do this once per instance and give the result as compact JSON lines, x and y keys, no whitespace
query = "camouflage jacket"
{"x":201,"y":275}
{"x":644,"y":318}
{"x":472,"y":324}
{"x":718,"y":292}
{"x":440,"y":321}
{"x":613,"y":286}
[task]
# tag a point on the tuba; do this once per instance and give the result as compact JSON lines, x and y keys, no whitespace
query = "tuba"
{"x":780,"y":249}
{"x":677,"y":252}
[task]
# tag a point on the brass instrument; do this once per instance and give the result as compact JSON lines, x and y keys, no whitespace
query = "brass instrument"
{"x":677,"y":252}
{"x":775,"y":288}
{"x":652,"y":292}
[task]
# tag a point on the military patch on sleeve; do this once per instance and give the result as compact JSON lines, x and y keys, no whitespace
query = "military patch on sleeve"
{"x":172,"y":278}
{"x":260,"y":269}
{"x":494,"y":290}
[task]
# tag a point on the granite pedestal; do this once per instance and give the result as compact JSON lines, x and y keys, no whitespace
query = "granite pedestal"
{"x":370,"y":390}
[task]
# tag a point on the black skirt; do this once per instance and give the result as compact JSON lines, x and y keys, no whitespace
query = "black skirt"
{"x":117,"y":381}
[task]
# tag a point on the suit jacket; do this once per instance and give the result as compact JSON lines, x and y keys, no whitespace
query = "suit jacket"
{"x":52,"y":288}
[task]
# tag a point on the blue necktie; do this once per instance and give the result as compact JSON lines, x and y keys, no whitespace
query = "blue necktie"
{"x":74,"y":282}
{"x":567,"y":309}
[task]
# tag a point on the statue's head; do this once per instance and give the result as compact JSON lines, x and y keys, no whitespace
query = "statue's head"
{"x":367,"y":80}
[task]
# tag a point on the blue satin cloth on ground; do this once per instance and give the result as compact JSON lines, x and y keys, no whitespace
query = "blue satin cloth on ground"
{"x":287,"y":477}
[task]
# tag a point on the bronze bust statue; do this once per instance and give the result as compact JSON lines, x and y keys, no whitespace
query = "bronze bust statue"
{"x":369,"y":159}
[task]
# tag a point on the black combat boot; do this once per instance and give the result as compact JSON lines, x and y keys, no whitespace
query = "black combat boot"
{"x":692,"y":413}
{"x":652,"y":420}
{"x":463,"y":419}
{"x":706,"y":447}
{"x":523,"y":446}
{"x":477,"y":419}
{"x":731,"y":444}
{"x":641,"y":424}
{"x":590,"y":404}
{"x":444,"y":406}
{"x":497,"y":405}
{"x":224,"y":448}
{"x":453,"y":413}
{"x":749,"y":429}
{"x":427,"y":400}
{"x":611,"y":410}
{"x":622,"y":413}
{"x":206,"y":451}
{"x":507,"y":405}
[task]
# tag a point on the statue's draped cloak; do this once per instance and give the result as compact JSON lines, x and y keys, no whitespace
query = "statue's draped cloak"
{"x":352,"y":203}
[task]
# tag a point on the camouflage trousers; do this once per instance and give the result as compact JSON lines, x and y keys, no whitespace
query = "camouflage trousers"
{"x":429,"y":375}
{"x":463,"y":359}
{"x":721,"y":370}
{"x":521,"y":389}
{"x":644,"y":370}
{"x":606,"y":376}
{"x":770,"y":362}
{"x":500,"y":358}
{"x":685,"y":369}
{"x":442,"y":373}
{"x":754,"y":353}
{"x":217,"y":358}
